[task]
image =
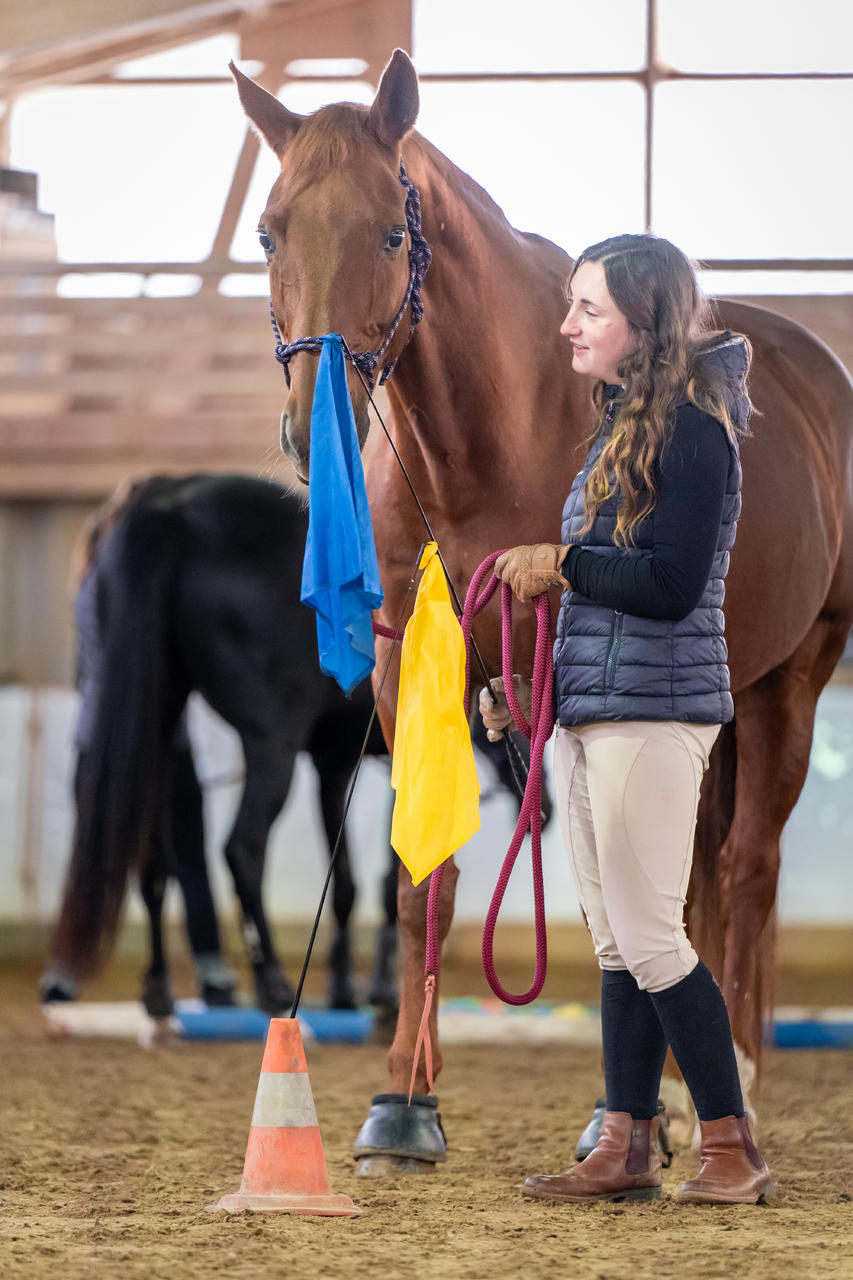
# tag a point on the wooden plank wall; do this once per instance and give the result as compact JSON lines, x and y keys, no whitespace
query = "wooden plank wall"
{"x":94,"y":389}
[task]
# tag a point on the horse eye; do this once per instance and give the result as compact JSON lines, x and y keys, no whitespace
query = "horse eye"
{"x":395,"y":239}
{"x":266,"y":243}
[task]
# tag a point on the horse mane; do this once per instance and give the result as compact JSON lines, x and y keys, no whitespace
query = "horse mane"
{"x":326,"y":138}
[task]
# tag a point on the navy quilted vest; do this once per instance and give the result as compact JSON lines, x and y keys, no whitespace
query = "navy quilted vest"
{"x":611,"y":665}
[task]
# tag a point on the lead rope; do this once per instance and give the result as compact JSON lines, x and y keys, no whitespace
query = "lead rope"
{"x":530,"y":814}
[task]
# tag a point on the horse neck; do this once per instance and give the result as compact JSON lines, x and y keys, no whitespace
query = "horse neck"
{"x":463,"y":395}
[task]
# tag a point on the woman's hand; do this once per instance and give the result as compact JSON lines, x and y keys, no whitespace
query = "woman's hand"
{"x":532,"y":570}
{"x":496,"y":715}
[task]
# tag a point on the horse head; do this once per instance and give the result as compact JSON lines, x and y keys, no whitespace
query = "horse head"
{"x":335,"y":233}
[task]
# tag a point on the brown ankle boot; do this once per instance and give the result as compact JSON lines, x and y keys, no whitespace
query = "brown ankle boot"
{"x":623,"y":1165}
{"x":732,"y":1171}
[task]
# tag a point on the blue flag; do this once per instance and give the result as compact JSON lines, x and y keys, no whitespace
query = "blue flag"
{"x":340,"y":573}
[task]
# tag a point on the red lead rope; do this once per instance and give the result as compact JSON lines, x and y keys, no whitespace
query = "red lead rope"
{"x":530,"y":815}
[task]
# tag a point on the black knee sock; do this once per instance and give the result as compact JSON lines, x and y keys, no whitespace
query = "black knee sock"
{"x":696,"y":1023}
{"x":634,"y":1045}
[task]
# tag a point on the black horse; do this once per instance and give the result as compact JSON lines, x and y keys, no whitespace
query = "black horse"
{"x":197,"y":584}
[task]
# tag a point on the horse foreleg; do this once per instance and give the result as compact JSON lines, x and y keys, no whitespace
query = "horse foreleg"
{"x":157,"y":994}
{"x":398,"y":1137}
{"x":267,"y":783}
{"x":412,"y":918}
{"x":183,"y":836}
{"x":333,"y":788}
{"x":383,"y":991}
{"x":774,"y":720}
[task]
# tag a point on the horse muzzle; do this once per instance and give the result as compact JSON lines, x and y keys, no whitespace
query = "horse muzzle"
{"x":295,"y":435}
{"x":298,"y":454}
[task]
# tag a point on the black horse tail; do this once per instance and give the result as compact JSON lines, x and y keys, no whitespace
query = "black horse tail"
{"x":120,"y":774}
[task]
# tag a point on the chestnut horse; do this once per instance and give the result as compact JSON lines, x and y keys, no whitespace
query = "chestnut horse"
{"x":491,"y":424}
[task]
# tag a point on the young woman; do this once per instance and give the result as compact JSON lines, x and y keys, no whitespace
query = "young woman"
{"x":642,"y":687}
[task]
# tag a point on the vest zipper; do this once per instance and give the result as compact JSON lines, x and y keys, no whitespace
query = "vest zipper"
{"x":613,"y":644}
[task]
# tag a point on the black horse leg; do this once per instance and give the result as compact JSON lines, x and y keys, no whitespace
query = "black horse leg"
{"x":157,"y":994}
{"x":184,"y":839}
{"x":384,"y":991}
{"x":56,"y":982}
{"x":268,"y":776}
{"x":334,"y":782}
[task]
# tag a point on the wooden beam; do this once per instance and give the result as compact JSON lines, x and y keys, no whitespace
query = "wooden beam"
{"x":148,"y":382}
{"x":49,"y":269}
{"x":238,"y":190}
{"x":78,"y":438}
{"x":366,"y":29}
{"x":144,"y":308}
{"x":92,"y":52}
{"x":94,"y":479}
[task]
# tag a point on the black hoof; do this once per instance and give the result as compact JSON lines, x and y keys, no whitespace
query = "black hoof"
{"x":158,"y":997}
{"x":592,"y":1133}
{"x":53,"y":988}
{"x":341,"y":995}
{"x":665,"y":1140}
{"x":385,"y":1017}
{"x":392,"y":1166}
{"x":274,"y":992}
{"x":393,"y":1128}
{"x":218,"y":997}
{"x":51,"y":991}
{"x":384,"y":997}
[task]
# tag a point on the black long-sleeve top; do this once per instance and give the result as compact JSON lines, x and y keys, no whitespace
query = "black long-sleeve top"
{"x":668,"y":581}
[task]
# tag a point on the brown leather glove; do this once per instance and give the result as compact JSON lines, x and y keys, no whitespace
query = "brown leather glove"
{"x":496,"y":715}
{"x":532,"y":570}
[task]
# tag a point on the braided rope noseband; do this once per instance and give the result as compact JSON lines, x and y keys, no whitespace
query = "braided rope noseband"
{"x":420,"y":257}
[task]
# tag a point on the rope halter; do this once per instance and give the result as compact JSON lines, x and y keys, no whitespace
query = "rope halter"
{"x":420,"y":257}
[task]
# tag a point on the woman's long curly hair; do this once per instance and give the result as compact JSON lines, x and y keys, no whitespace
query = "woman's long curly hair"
{"x":654,"y":285}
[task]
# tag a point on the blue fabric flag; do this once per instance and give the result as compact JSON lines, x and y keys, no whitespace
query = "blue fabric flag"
{"x":340,"y":572}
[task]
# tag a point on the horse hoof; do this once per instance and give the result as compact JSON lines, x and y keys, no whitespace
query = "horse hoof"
{"x":666,"y":1146}
{"x":342,"y":997}
{"x":161,"y":1033}
{"x":218,"y":997}
{"x":384,"y":1025}
{"x":592,"y":1133}
{"x":53,"y":988}
{"x":681,"y":1119}
{"x":158,"y":998}
{"x":385,"y":997}
{"x":274,"y":993}
{"x":395,"y":1130}
{"x":392,"y":1166}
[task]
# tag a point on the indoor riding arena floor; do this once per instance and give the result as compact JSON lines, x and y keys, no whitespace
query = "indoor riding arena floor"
{"x":110,"y":1154}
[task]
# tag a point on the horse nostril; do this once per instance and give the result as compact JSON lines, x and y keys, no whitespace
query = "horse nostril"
{"x":297,"y":455}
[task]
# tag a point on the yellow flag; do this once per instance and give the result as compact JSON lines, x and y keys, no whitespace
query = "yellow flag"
{"x":433,"y":772}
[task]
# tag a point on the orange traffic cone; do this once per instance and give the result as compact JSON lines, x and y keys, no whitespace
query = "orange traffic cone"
{"x":285,"y":1169}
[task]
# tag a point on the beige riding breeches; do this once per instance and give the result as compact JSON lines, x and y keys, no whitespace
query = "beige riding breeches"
{"x":627,"y":794}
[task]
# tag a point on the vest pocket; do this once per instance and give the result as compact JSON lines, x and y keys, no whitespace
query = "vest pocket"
{"x":613,"y":644}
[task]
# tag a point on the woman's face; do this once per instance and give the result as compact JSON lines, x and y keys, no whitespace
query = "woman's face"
{"x":598,"y":331}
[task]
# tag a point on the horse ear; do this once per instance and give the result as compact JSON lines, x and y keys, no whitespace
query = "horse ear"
{"x":395,"y":107}
{"x":270,"y":117}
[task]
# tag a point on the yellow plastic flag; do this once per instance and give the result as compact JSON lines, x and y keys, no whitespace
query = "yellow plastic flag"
{"x":433,"y":772}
